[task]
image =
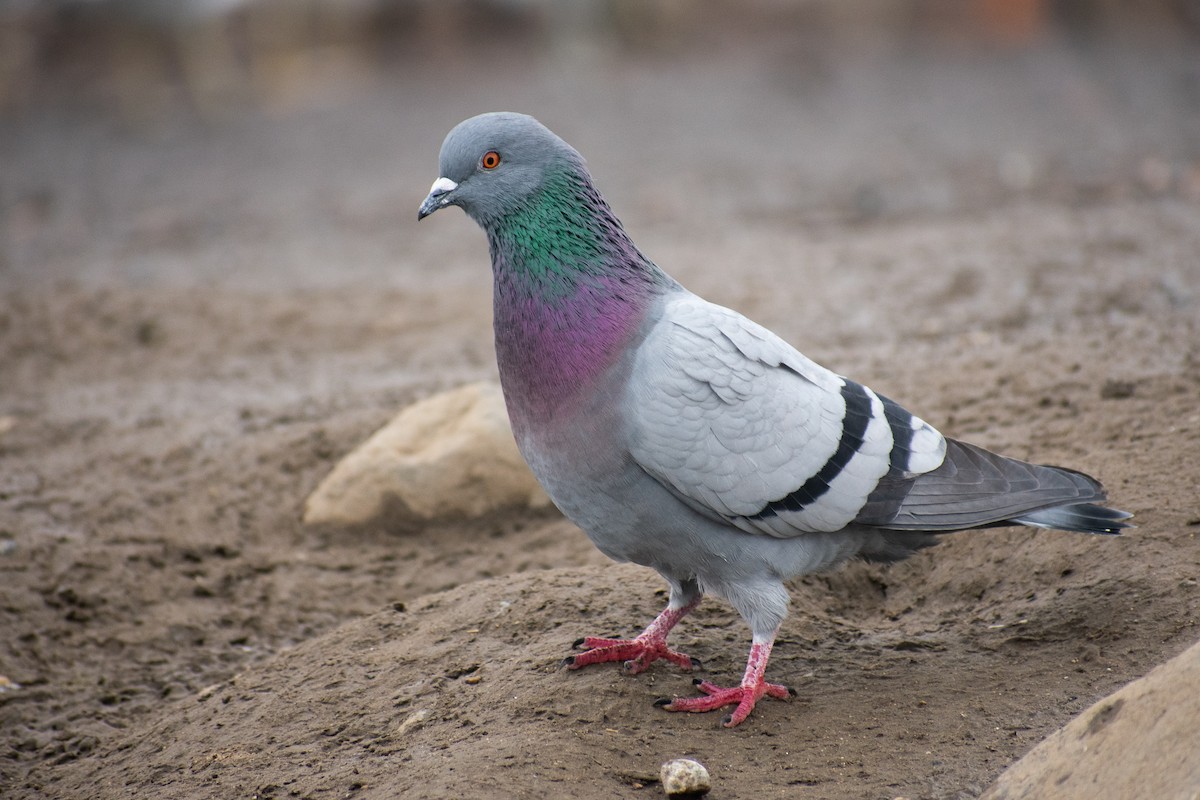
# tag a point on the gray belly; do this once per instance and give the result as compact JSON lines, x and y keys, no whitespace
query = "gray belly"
{"x":630,"y":516}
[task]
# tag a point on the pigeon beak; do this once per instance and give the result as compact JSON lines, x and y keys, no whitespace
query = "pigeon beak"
{"x":437,"y":197}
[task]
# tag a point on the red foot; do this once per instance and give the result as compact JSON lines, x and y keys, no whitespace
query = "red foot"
{"x":745,"y":696}
{"x":637,"y":653}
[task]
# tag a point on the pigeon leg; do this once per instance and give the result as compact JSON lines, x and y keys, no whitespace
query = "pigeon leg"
{"x":744,"y":697}
{"x":641,"y":652}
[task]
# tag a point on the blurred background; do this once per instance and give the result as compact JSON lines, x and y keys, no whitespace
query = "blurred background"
{"x":213,"y":285}
{"x":257,"y":141}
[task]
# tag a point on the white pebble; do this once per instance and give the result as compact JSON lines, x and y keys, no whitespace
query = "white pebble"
{"x":683,"y":777}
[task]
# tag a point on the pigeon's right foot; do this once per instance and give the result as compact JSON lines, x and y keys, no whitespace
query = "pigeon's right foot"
{"x":637,"y":653}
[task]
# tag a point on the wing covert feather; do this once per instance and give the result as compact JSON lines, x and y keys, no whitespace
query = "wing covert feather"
{"x":740,"y":425}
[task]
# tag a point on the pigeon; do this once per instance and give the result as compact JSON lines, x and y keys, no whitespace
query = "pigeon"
{"x":682,"y":436}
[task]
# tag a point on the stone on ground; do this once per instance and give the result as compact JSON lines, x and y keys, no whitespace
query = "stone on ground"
{"x":448,"y":457}
{"x":1141,"y":741}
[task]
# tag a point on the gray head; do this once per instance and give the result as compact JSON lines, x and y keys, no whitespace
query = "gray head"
{"x":491,"y":163}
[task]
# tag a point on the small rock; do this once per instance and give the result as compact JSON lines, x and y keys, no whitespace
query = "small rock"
{"x":8,"y":684}
{"x":208,"y":691}
{"x":449,"y":457}
{"x":414,"y":720}
{"x":683,"y":777}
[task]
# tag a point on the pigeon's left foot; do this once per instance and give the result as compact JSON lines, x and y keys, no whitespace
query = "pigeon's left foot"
{"x":744,"y":697}
{"x":637,"y":653}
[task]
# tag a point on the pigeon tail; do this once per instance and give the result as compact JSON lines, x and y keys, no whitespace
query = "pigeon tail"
{"x":1080,"y":517}
{"x":975,"y":488}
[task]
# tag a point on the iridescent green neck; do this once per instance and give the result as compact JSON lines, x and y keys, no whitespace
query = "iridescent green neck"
{"x":571,"y":293}
{"x":563,"y":232}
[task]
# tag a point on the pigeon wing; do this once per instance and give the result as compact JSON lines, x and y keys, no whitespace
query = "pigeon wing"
{"x":741,"y":426}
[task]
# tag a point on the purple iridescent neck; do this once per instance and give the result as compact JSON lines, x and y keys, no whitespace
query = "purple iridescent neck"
{"x":571,"y":294}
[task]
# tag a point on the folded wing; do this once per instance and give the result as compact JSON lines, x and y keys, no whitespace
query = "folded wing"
{"x":742,"y":427}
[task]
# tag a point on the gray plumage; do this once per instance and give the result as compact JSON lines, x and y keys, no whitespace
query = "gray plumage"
{"x":682,"y":436}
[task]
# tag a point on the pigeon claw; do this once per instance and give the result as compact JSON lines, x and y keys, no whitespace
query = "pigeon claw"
{"x":744,"y":697}
{"x":636,"y":654}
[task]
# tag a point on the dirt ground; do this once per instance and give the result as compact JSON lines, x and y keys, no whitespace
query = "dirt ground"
{"x":200,"y":317}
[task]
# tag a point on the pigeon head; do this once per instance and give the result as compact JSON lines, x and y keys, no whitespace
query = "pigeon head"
{"x":491,"y":164}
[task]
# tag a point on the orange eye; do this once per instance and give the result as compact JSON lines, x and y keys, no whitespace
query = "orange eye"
{"x":490,"y":160}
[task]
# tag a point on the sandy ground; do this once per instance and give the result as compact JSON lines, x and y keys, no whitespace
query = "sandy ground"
{"x":198,"y":320}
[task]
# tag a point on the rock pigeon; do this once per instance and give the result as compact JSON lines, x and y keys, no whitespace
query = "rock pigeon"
{"x":684,"y":437}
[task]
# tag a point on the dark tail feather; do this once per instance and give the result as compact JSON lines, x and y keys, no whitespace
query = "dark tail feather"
{"x":974,"y":488}
{"x":1081,"y":517}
